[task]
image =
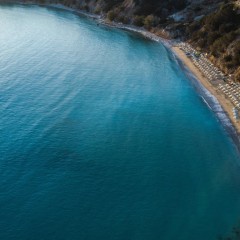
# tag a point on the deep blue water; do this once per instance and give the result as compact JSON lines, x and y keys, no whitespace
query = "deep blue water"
{"x":102,"y":136}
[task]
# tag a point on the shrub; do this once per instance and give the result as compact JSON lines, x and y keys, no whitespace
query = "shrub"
{"x":149,"y":21}
{"x":111,"y":15}
{"x":138,"y":21}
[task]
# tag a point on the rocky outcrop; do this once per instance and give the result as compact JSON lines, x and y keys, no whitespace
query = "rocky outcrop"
{"x":218,"y":35}
{"x":206,"y":24}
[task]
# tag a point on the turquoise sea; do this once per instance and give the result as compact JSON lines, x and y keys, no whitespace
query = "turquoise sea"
{"x":104,"y":136}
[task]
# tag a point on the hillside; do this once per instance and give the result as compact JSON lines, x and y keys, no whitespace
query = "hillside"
{"x":218,"y":35}
{"x":211,"y":26}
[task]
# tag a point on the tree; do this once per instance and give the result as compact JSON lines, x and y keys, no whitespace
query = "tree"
{"x":149,"y":21}
{"x":138,"y":21}
{"x":111,"y":15}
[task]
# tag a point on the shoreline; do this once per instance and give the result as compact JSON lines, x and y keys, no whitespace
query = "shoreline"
{"x":188,"y":64}
{"x":223,"y":101}
{"x":210,"y":95}
{"x":100,"y":20}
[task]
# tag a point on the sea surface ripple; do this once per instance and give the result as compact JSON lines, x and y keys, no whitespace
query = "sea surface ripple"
{"x":103,"y":136}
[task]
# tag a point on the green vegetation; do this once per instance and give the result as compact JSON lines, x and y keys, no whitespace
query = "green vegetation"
{"x":218,"y":34}
{"x":138,"y":21}
{"x":150,"y":21}
{"x":111,"y":15}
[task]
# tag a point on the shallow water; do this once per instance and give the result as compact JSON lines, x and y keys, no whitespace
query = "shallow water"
{"x":102,"y":136}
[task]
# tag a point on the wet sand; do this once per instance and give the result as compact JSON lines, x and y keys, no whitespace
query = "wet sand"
{"x":224,"y":102}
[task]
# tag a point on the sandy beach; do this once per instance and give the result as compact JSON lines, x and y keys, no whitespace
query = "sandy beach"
{"x":224,"y":102}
